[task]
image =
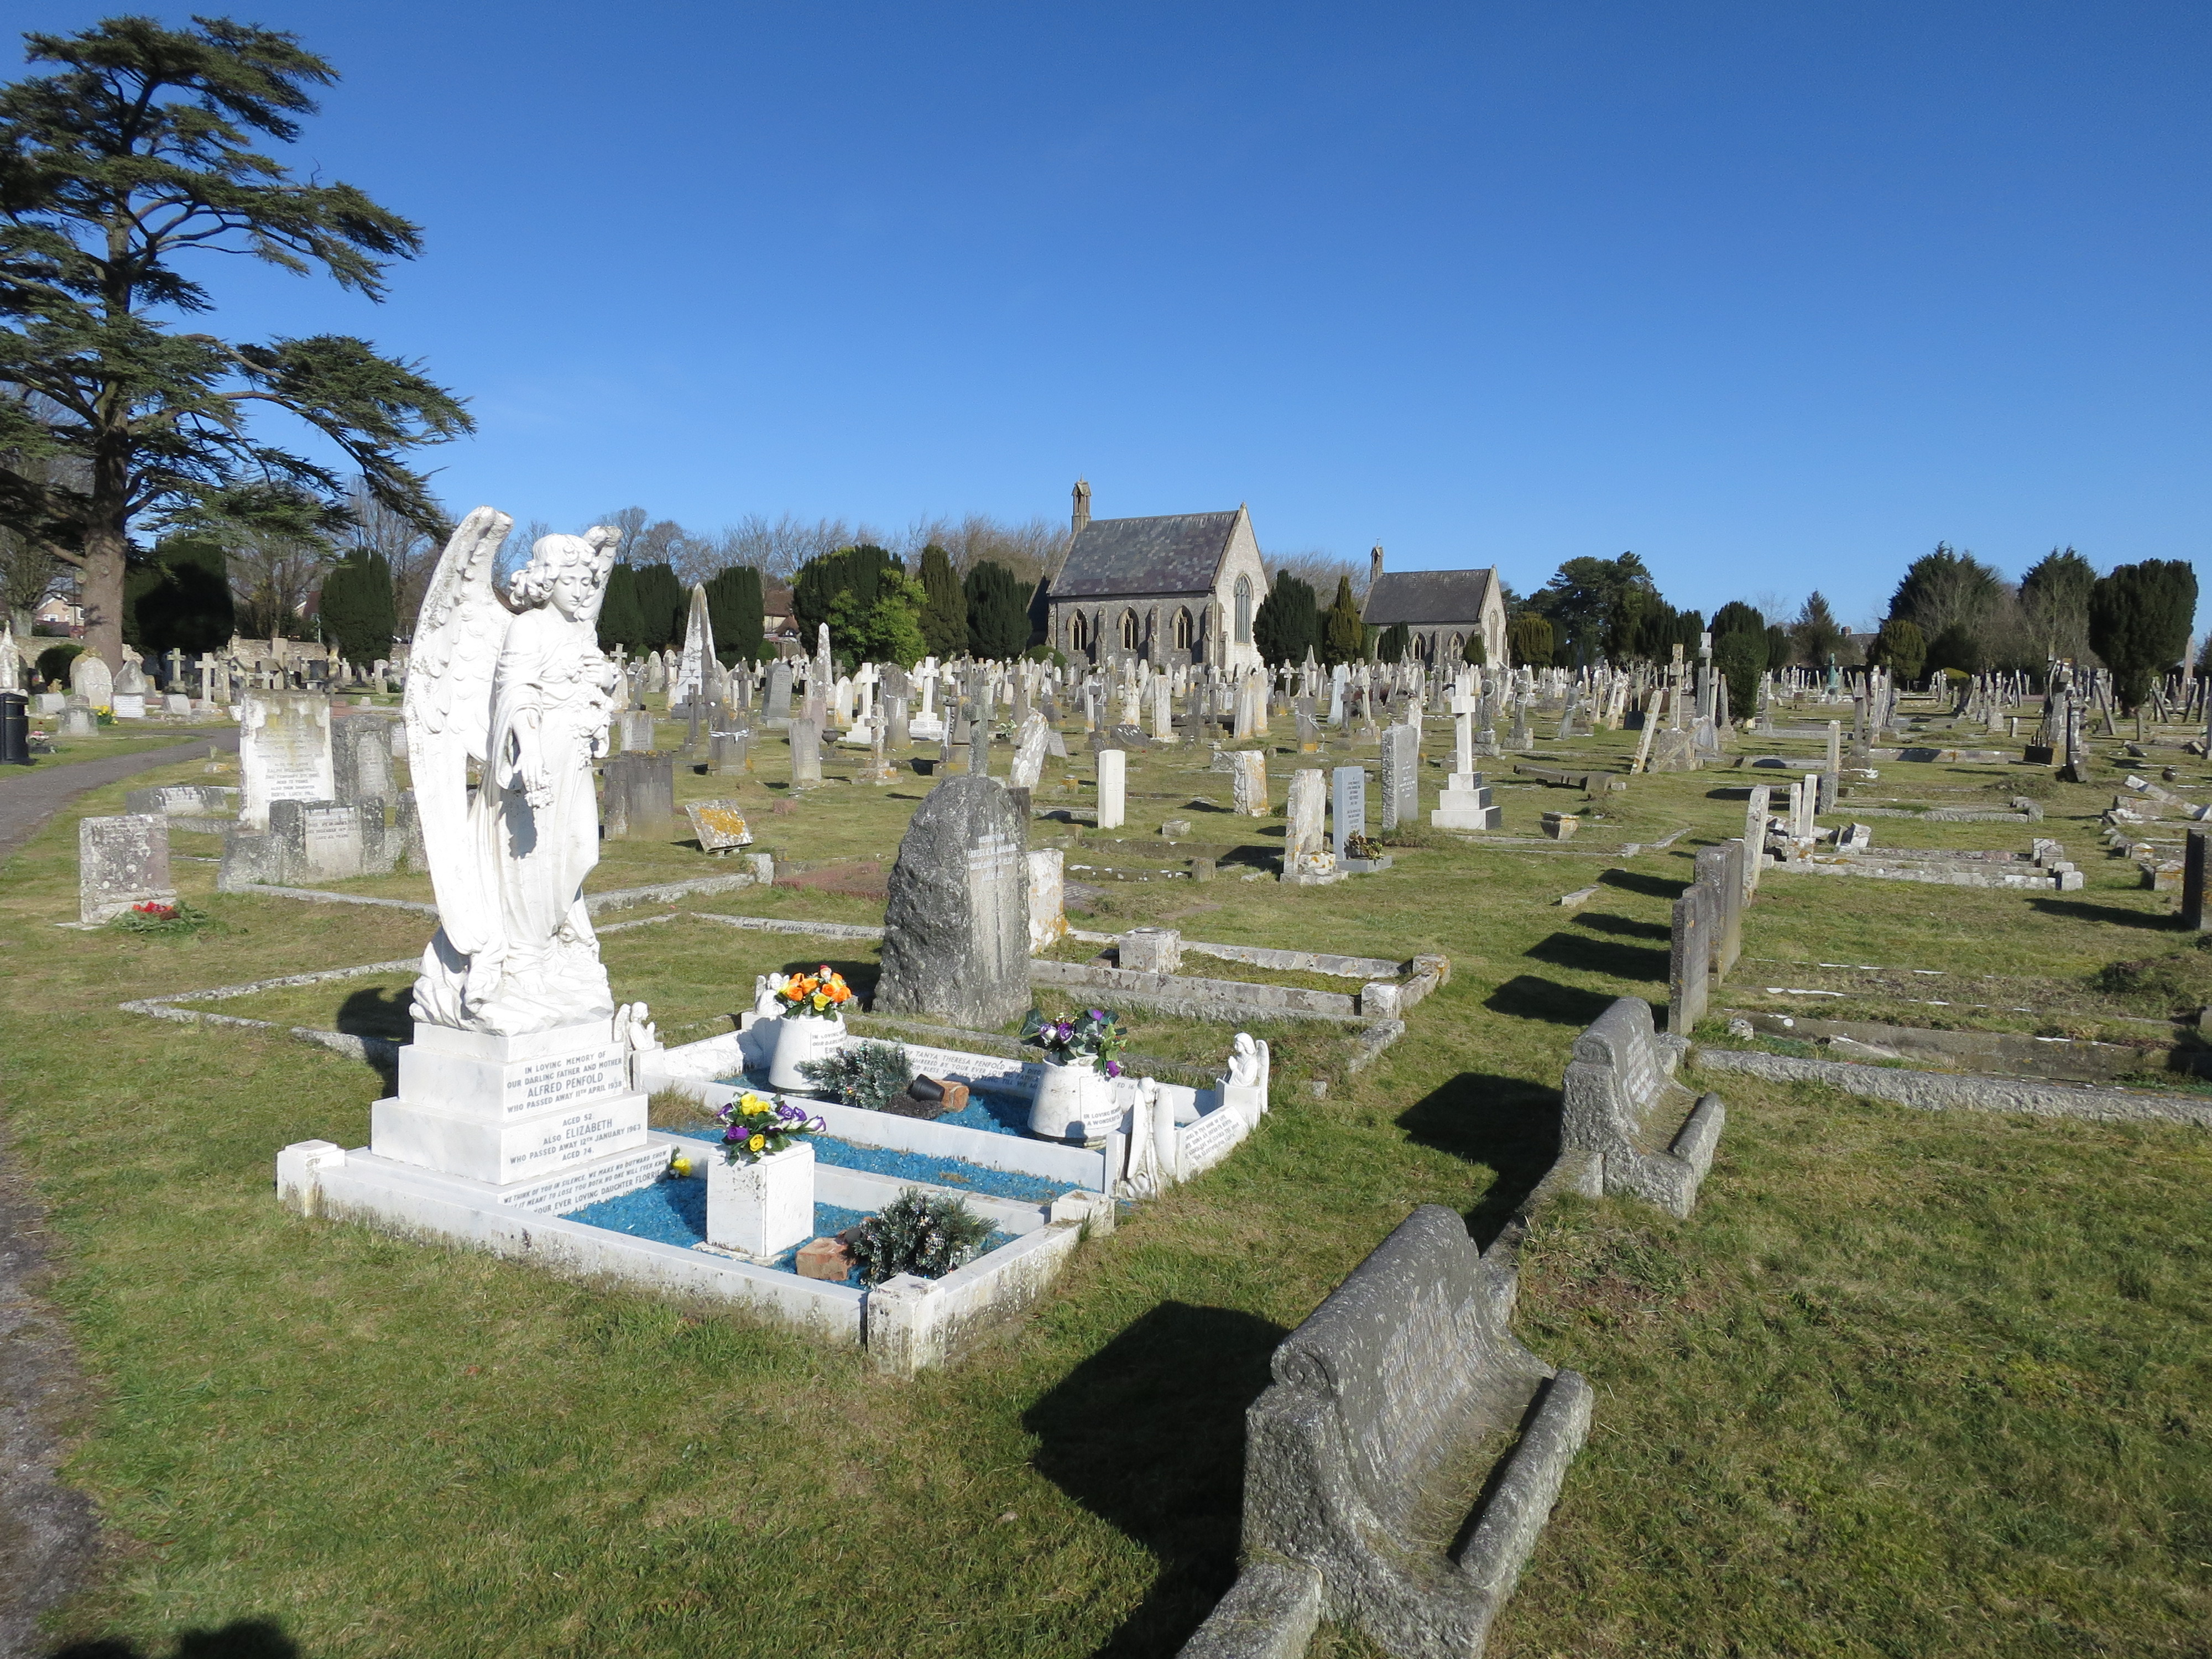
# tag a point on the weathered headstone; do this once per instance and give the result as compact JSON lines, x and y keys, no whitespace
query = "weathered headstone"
{"x":91,"y":678}
{"x":1247,"y":778}
{"x":361,"y":759}
{"x":1030,"y":750}
{"x":1401,"y":783}
{"x":283,"y":752}
{"x":779,"y":695}
{"x":1113,"y":788}
{"x":806,"y":754}
{"x":1755,"y":814}
{"x":1306,"y":858}
{"x":1150,"y":950}
{"x":1720,"y":869}
{"x":1048,"y":898}
{"x":131,"y":692}
{"x":640,"y":795}
{"x":1689,"y":961}
{"x":955,"y":917}
{"x":326,"y":840}
{"x":122,"y":861}
{"x":727,"y":754}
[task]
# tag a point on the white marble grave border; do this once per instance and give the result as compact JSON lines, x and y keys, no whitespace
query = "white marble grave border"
{"x":905,"y":1324}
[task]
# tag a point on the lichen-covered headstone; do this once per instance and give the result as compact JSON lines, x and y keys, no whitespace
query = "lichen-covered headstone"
{"x":122,"y":861}
{"x":955,"y":917}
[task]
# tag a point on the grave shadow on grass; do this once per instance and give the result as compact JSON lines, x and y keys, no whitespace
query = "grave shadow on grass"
{"x":1507,"y":1124}
{"x":1604,"y":921}
{"x":1665,"y":887}
{"x":1596,"y":956}
{"x":1526,"y":997}
{"x":245,"y":1638}
{"x":2076,"y":911}
{"x":1172,"y":1481}
{"x":369,"y":1012}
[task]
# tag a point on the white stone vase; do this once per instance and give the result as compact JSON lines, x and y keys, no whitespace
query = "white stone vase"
{"x":799,"y":1038}
{"x":763,"y":1208}
{"x":1075,"y":1103}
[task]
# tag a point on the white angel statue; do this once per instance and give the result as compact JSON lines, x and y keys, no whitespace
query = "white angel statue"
{"x":525,"y":693}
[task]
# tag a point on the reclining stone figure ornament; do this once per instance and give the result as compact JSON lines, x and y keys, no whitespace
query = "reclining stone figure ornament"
{"x":518,"y":686}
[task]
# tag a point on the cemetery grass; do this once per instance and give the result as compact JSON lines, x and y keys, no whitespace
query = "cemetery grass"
{"x":389,"y":1448}
{"x":109,"y":743}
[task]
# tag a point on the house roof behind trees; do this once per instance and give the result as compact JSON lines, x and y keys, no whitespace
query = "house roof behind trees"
{"x":1181,"y":553}
{"x":1419,"y":597}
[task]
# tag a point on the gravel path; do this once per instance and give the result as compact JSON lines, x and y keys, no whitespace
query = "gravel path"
{"x":49,"y":1533}
{"x":29,"y":799}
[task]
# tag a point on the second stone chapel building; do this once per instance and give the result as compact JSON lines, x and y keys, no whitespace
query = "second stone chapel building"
{"x":1180,"y":588}
{"x":1443,"y":610}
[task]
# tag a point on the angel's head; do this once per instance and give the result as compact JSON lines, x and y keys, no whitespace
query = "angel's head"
{"x":569,"y":573}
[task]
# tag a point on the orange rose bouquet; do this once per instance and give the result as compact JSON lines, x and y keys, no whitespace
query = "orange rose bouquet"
{"x":821,"y":994}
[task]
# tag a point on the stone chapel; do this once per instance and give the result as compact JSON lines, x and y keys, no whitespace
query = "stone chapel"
{"x":1182,"y":588}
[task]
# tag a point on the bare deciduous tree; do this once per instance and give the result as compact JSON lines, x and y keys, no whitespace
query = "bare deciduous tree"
{"x":409,"y":550}
{"x":1320,"y":570}
{"x":272,"y":576}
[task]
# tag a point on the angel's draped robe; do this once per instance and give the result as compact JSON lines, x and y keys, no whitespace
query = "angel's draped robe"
{"x":552,"y":678}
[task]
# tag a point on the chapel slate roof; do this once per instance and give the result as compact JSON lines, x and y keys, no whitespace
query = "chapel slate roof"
{"x":1423,"y":596}
{"x":1181,"y":553}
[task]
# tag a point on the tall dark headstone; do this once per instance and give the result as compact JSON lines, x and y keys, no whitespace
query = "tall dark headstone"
{"x":1690,"y":960}
{"x":2192,"y":882}
{"x":957,"y":914}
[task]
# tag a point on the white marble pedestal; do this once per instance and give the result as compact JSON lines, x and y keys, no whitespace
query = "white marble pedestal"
{"x":509,"y":1109}
{"x":1465,"y":804}
{"x":763,"y":1208}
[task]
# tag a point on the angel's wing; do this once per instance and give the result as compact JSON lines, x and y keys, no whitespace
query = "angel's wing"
{"x":448,"y":711}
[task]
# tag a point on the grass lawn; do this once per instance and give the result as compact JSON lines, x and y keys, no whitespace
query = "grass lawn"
{"x":1904,"y":1384}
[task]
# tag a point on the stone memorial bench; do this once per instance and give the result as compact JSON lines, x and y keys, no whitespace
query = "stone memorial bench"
{"x":1625,"y":1122}
{"x":1403,"y":1403}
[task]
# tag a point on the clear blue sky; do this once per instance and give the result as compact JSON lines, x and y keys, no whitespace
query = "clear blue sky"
{"x":1776,"y":296}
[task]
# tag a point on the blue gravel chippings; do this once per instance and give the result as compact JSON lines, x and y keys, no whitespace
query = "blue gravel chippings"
{"x":994,"y":1113}
{"x":671,"y":1212}
{"x":920,"y":1166}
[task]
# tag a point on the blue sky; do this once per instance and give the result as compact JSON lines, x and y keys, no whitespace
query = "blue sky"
{"x":1776,"y":296}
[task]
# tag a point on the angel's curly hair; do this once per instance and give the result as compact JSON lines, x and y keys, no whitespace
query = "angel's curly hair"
{"x":533,"y":584}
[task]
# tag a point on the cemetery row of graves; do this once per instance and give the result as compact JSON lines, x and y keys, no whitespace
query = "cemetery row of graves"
{"x":1634,"y":1206}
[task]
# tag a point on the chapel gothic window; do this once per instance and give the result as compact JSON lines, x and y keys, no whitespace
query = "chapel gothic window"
{"x":1244,"y":611}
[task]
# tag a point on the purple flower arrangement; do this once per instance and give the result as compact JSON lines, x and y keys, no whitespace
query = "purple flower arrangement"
{"x":754,"y":1128}
{"x":1095,"y":1035}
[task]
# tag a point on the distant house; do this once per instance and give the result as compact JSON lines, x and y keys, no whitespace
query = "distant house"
{"x":59,"y":614}
{"x":775,"y":608}
{"x":1443,"y":610}
{"x":1182,"y":588}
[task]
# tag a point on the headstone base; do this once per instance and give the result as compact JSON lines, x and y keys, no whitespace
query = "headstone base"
{"x":499,"y":1108}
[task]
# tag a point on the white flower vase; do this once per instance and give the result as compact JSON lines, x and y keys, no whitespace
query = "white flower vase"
{"x":1075,"y":1103}
{"x":800,"y":1038}
{"x":763,"y":1208}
